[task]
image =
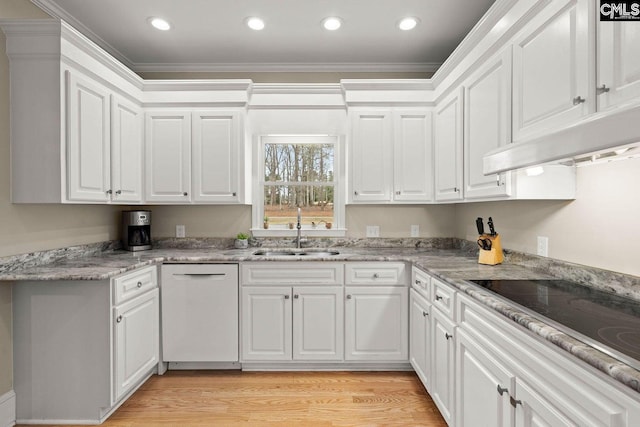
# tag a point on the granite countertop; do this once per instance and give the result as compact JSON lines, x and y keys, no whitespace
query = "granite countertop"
{"x":454,"y":266}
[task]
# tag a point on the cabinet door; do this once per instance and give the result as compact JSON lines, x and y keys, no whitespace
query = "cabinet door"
{"x":483,"y":386}
{"x":443,"y":365}
{"x":318,"y":327}
{"x":266,"y":323}
{"x":371,"y":151}
{"x":126,"y":151}
{"x":551,"y":69}
{"x":533,"y":409}
{"x":88,"y":138}
{"x":448,"y":148}
{"x":136,"y":340}
{"x":618,"y":63}
{"x":413,"y":155}
{"x":217,"y":136}
{"x":376,"y":323}
{"x":420,"y":337}
{"x":487,"y":126}
{"x":168,"y":156}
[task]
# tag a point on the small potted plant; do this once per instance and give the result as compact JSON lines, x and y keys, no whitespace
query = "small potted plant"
{"x":242,"y":241}
{"x":265,"y":223}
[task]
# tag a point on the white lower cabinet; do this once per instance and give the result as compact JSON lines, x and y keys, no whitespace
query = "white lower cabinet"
{"x":420,"y":337}
{"x":80,"y":347}
{"x":299,"y":323}
{"x":443,"y":365}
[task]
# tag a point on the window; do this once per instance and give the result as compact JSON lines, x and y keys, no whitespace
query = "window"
{"x":298,"y":171}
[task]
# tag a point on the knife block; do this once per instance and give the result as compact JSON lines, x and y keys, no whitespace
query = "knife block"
{"x":493,"y":256}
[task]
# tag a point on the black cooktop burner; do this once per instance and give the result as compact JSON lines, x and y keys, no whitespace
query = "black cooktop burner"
{"x":599,"y":316}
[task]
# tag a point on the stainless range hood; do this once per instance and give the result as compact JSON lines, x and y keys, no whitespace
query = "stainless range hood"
{"x":600,"y":135}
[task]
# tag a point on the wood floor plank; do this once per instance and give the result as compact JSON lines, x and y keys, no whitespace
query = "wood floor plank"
{"x":283,"y":399}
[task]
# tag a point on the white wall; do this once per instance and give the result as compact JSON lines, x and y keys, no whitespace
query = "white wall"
{"x":601,"y":228}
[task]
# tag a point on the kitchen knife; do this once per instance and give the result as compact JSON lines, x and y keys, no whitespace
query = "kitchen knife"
{"x":480,"y":226}
{"x":491,"y":229}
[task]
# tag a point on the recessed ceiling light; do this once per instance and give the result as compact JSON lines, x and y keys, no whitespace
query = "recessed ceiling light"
{"x":408,"y":23}
{"x":159,"y":24}
{"x":332,"y":23}
{"x":255,"y":23}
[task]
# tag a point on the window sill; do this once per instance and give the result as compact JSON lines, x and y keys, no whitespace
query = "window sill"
{"x":306,"y":232}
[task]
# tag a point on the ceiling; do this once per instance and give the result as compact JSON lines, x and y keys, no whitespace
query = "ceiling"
{"x":211,"y":35}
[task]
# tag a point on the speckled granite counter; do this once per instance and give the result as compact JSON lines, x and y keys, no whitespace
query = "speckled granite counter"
{"x":454,"y":266}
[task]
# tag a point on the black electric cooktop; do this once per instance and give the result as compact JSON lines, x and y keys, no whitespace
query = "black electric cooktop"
{"x":607,"y":321}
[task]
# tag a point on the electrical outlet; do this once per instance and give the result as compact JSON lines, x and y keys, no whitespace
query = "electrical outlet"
{"x":373,"y":231}
{"x":543,"y":246}
{"x":415,"y":231}
{"x":180,"y":231}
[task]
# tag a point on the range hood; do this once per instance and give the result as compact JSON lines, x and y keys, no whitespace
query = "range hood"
{"x":601,"y":135}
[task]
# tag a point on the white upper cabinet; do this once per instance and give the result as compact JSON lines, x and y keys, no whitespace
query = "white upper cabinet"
{"x":216,"y":144}
{"x":168,"y":156}
{"x":552,"y":69}
{"x":413,"y":155}
{"x":126,"y":150}
{"x":448,"y":147}
{"x":88,"y":136}
{"x":371,"y":154}
{"x":487,"y":125}
{"x":618,"y":64}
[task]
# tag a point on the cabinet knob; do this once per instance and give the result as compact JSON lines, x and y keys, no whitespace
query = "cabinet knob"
{"x":109,"y":191}
{"x":119,"y":192}
{"x":233,"y":194}
{"x":425,"y":314}
{"x":348,"y":296}
{"x":185,"y":194}
{"x":375,"y":275}
{"x":296,"y":296}
{"x":119,"y":319}
{"x":438,"y":297}
{"x":456,"y":189}
{"x":286,"y":297}
{"x":602,"y":89}
{"x":447,"y":335}
{"x":578,"y":100}
{"x":515,"y":402}
{"x":139,"y":284}
{"x":418,"y":282}
{"x":397,"y":193}
{"x":502,"y":390}
{"x":355,"y":193}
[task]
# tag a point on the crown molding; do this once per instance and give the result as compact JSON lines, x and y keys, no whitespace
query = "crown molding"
{"x":387,"y":84}
{"x":297,"y":88}
{"x":258,"y":67}
{"x":198,"y":85}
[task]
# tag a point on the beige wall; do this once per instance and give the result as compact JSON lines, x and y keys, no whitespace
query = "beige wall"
{"x":601,"y":228}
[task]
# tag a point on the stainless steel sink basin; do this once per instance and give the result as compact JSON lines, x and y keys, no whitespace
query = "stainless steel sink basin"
{"x":298,"y":252}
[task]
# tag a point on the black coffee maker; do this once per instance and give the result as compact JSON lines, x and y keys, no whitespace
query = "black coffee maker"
{"x":136,"y":230}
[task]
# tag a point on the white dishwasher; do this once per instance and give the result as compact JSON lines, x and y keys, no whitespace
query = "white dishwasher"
{"x":199,"y":312}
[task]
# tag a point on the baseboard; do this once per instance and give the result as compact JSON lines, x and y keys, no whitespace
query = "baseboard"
{"x":175,"y":366}
{"x":8,"y":409}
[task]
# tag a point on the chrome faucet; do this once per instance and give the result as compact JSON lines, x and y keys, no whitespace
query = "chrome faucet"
{"x":299,"y":228}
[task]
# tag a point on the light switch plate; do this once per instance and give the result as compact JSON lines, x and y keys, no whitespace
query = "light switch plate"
{"x":543,"y":246}
{"x":180,"y":231}
{"x":415,"y":231}
{"x":373,"y":231}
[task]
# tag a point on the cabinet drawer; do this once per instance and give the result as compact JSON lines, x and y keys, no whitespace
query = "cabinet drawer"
{"x":292,"y":273}
{"x":133,"y":284}
{"x":443,"y":297}
{"x":421,"y":282}
{"x":376,"y":273}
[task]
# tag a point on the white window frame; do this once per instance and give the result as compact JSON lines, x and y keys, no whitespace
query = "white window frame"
{"x":338,"y":229}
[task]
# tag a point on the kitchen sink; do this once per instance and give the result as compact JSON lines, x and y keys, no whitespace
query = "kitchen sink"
{"x":296,"y":252}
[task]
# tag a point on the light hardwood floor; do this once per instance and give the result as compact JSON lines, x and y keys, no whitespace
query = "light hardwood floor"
{"x":305,"y":399}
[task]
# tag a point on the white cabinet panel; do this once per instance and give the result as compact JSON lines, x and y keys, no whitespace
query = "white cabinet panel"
{"x":443,"y":365}
{"x":551,"y":69}
{"x":413,"y":155}
{"x":136,"y":341}
{"x":618,"y":63}
{"x":266,"y":323}
{"x":448,"y":134}
{"x":318,"y":327}
{"x":420,"y":337}
{"x":126,"y":150}
{"x":89,"y":142}
{"x":487,"y":125}
{"x":168,"y":156}
{"x":216,"y":166}
{"x":376,"y":323}
{"x":371,"y":151}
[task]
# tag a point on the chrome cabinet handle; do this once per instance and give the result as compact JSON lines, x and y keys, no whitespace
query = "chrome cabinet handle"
{"x":602,"y":89}
{"x":502,"y":390}
{"x":139,"y":284}
{"x":119,"y":319}
{"x":578,"y":100}
{"x":447,"y":336}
